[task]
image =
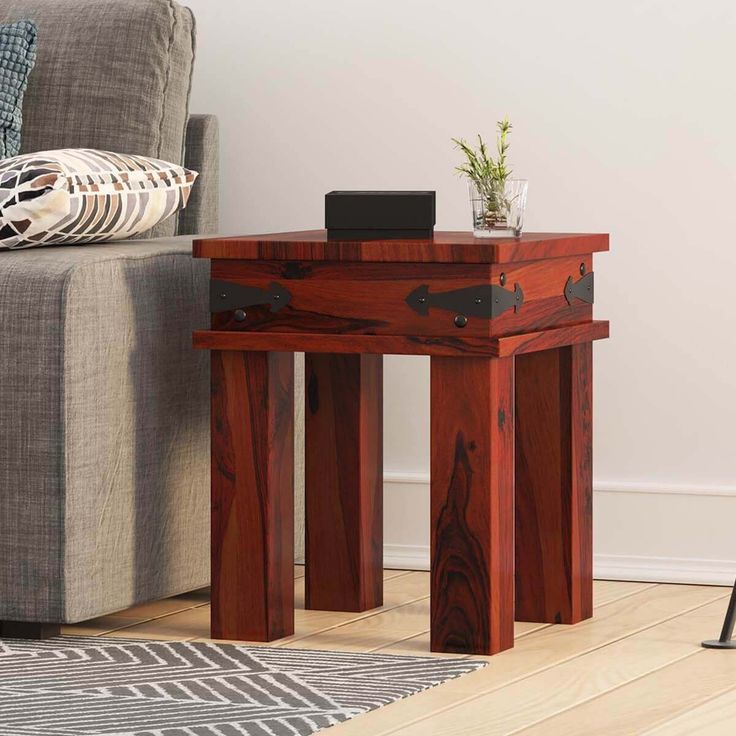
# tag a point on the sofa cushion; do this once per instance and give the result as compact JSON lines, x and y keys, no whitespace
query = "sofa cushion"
{"x":17,"y":57}
{"x":104,"y":479}
{"x":77,"y":195}
{"x":110,"y":75}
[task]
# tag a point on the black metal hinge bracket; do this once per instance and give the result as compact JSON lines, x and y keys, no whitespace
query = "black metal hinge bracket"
{"x":487,"y":300}
{"x":226,"y":296}
{"x":582,"y":289}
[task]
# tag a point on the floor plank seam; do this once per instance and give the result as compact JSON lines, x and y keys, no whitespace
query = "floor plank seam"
{"x":402,"y":573}
{"x":398,"y":641}
{"x":336,"y":626}
{"x":608,"y":691}
{"x":163,"y":615}
{"x":676,"y":718}
{"x":626,"y":595}
{"x":532,"y":631}
{"x":361,"y":617}
{"x":146,"y":620}
{"x":369,"y":614}
{"x":479,"y":695}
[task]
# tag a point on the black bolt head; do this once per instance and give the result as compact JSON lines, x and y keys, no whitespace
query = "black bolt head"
{"x":461,"y":320}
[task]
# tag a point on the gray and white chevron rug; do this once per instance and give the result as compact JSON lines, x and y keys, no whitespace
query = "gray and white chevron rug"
{"x":89,"y":686}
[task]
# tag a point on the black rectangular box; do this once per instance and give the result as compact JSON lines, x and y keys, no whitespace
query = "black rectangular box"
{"x":379,"y":215}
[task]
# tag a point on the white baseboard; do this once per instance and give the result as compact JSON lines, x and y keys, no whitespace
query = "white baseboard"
{"x":649,"y":532}
{"x":669,"y":489}
{"x":406,"y":557}
{"x":664,"y":569}
{"x":606,"y":486}
{"x":605,"y":567}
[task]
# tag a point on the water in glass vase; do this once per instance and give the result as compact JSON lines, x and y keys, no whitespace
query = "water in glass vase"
{"x":498,"y":208}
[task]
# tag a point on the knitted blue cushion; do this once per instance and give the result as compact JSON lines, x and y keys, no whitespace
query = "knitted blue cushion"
{"x":17,"y":57}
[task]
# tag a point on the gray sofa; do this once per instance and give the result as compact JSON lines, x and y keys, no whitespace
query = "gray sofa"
{"x":104,"y":429}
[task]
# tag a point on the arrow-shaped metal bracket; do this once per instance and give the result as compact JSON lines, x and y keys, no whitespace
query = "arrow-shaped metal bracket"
{"x":225,"y":296}
{"x":582,"y":289}
{"x":486,"y":300}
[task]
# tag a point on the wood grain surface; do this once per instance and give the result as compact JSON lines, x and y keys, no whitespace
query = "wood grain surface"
{"x":554,"y":555}
{"x":344,"y":481}
{"x":252,"y":495}
{"x":370,"y":298}
{"x":347,"y":305}
{"x":444,"y":247}
{"x":530,"y":342}
{"x":501,"y":347}
{"x":472,"y":504}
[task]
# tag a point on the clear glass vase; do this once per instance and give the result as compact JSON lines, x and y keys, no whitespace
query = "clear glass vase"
{"x":498,"y":209}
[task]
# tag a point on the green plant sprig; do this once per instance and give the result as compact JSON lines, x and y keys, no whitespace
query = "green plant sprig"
{"x":488,"y":175}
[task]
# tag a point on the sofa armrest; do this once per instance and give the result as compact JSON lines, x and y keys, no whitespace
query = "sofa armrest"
{"x":202,"y":153}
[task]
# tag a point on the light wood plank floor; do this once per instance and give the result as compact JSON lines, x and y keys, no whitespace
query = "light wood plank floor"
{"x":635,"y":668}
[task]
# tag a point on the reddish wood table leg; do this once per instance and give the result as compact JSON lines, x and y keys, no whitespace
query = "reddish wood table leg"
{"x":472,"y":441}
{"x":344,"y":481}
{"x":252,"y":495}
{"x":554,"y":555}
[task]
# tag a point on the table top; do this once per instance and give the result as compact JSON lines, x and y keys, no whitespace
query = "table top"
{"x":443,"y":247}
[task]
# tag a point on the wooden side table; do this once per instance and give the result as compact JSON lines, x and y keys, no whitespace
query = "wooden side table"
{"x":508,"y":325}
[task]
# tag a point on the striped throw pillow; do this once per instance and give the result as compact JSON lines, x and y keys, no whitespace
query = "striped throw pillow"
{"x":78,"y":196}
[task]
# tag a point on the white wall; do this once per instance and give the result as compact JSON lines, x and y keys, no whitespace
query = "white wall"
{"x":624,"y":121}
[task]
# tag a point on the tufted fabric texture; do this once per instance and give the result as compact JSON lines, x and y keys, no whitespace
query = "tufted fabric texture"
{"x":17,"y":58}
{"x":113,"y":76}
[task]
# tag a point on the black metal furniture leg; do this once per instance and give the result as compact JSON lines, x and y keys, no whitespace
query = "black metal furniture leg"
{"x":725,"y":641}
